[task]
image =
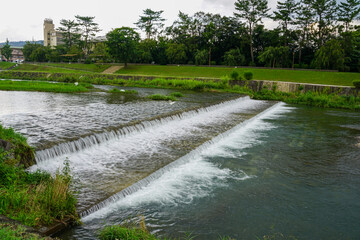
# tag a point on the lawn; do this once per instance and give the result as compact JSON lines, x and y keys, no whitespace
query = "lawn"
{"x":317,"y":77}
{"x":98,"y":68}
{"x":43,"y":86}
{"x":6,"y":65}
{"x":42,"y":68}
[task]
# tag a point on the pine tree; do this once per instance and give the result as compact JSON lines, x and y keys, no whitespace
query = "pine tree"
{"x":348,"y":12}
{"x":252,"y":11}
{"x":286,"y":15}
{"x":151,"y":22}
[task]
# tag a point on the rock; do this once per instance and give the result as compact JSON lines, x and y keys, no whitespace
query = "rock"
{"x":6,"y":146}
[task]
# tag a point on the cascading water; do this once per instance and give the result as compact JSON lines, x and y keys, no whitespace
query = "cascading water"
{"x":188,"y":157}
{"x":95,"y":139}
{"x":131,"y":154}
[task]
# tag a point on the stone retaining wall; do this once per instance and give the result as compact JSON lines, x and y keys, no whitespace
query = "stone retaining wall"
{"x":257,"y":85}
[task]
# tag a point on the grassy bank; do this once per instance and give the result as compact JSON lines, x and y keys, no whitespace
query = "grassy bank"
{"x":309,"y":98}
{"x":33,"y":198}
{"x":13,"y":232}
{"x":96,"y":68}
{"x":43,"y":86}
{"x":6,"y":65}
{"x":43,"y":68}
{"x":317,"y":77}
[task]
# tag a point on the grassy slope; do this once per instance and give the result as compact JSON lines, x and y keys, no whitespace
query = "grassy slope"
{"x":41,"y":86}
{"x":329,"y":78}
{"x":6,"y":65}
{"x":42,"y":68}
{"x":78,"y":66}
{"x":35,"y":198}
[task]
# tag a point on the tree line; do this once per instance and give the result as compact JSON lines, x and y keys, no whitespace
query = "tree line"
{"x":310,"y":34}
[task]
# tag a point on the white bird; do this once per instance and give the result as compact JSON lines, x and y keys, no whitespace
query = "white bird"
{"x":122,"y":90}
{"x":76,"y":83}
{"x":171,"y":102}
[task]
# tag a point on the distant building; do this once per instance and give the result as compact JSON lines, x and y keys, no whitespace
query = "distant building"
{"x":17,"y":55}
{"x":52,"y":37}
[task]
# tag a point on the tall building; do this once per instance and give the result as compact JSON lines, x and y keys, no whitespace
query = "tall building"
{"x":51,"y":36}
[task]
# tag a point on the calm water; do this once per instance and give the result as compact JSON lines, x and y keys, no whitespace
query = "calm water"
{"x":255,"y":168}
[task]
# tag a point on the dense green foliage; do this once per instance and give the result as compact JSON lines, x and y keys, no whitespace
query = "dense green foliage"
{"x":42,"y":86}
{"x":310,"y":34}
{"x":121,"y":43}
{"x":6,"y":51}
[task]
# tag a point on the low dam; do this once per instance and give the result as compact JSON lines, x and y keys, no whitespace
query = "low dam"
{"x":210,"y":164}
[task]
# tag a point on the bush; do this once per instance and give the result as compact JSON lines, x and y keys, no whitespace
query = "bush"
{"x":88,"y":61}
{"x":234,"y":75}
{"x":356,"y":83}
{"x":248,"y":75}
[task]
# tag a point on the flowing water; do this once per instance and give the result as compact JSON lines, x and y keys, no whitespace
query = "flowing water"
{"x":241,"y":168}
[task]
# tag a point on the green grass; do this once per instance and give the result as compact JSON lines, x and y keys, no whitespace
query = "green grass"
{"x":43,"y":68}
{"x":176,"y":94}
{"x":97,"y":68}
{"x":159,"y":97}
{"x":11,"y":232}
{"x":6,"y":65}
{"x":125,"y":233}
{"x":316,"y":77}
{"x":33,"y":198}
{"x":42,"y":86}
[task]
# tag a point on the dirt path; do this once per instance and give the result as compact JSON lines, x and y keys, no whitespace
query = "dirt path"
{"x":112,"y":69}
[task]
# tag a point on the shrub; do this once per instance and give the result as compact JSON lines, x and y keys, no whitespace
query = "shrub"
{"x":248,"y":75}
{"x":356,"y":83}
{"x":234,"y":75}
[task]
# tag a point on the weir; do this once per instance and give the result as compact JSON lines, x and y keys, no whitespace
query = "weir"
{"x":122,"y":132}
{"x":186,"y":158}
{"x":122,"y":157}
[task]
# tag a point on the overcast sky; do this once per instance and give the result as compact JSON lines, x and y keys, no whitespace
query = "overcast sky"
{"x":23,"y":19}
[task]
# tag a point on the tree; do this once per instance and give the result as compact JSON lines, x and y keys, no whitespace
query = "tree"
{"x":122,"y":43}
{"x":176,"y":53}
{"x":6,"y":50}
{"x":275,"y":56}
{"x":88,"y":29}
{"x":150,"y":22}
{"x":252,"y":11}
{"x":234,"y":58}
{"x":324,"y":17}
{"x":330,"y":56}
{"x":201,"y":57}
{"x":70,"y":32}
{"x":348,"y":11}
{"x":305,"y":18}
{"x":286,"y":15}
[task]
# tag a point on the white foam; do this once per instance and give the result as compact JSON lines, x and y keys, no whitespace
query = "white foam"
{"x":196,"y":176}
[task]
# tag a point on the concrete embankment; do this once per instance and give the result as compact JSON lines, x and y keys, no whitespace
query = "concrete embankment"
{"x":257,"y":85}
